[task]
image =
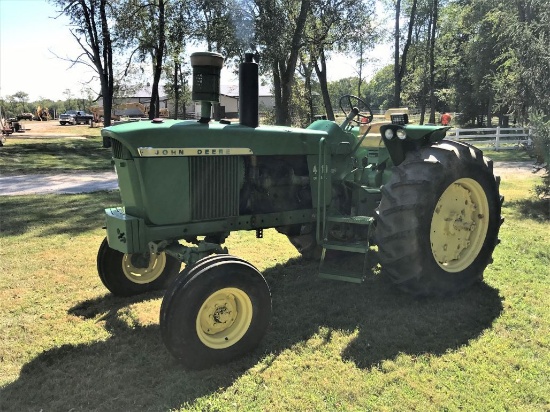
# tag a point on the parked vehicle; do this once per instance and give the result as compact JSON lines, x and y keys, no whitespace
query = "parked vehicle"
{"x":42,"y":114}
{"x":24,"y":116}
{"x":75,"y":117}
{"x":431,"y":206}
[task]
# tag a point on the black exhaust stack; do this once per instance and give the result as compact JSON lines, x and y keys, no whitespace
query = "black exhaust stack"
{"x":248,"y":91}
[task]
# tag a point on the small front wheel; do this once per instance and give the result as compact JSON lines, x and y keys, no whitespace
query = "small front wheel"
{"x":129,"y":274}
{"x":216,"y":313}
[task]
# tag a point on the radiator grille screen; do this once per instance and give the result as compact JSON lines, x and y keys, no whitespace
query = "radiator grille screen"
{"x":214,"y":187}
{"x":117,"y":149}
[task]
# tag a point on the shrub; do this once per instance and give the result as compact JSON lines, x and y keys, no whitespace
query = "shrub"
{"x":541,"y":143}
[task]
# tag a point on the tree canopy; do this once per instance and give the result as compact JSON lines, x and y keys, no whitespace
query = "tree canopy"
{"x":476,"y":57}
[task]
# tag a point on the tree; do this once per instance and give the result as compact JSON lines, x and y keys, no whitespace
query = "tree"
{"x":145,"y":32}
{"x":334,"y":25}
{"x":400,"y":57}
{"x":178,"y":33}
{"x":17,"y":103}
{"x":225,"y":26}
{"x":92,"y":30}
{"x":279,"y":32}
{"x":431,"y":46}
{"x":339,"y":88}
{"x":379,"y":91}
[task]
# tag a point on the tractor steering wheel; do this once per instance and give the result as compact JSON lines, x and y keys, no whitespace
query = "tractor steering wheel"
{"x":348,"y":102}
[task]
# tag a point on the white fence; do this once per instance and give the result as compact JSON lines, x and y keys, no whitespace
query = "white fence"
{"x":496,"y":138}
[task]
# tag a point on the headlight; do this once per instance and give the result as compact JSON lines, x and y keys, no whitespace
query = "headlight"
{"x":389,"y":134}
{"x":401,"y":134}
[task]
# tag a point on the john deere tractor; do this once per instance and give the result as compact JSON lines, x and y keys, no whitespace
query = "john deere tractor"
{"x":431,"y":206}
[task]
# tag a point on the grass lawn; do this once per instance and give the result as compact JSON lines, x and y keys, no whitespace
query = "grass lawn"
{"x":509,"y":155}
{"x":58,"y":155}
{"x":67,"y":344}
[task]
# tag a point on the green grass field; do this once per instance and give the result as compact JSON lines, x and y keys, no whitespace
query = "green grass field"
{"x":59,"y":155}
{"x":67,"y":344}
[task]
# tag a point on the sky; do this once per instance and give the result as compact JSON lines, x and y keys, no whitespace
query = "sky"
{"x":32,"y":35}
{"x":29,"y":36}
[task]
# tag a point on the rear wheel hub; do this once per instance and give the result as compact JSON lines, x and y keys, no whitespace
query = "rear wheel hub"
{"x":459,"y":225}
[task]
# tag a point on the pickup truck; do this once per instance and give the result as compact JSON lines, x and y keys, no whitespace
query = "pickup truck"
{"x":75,"y":117}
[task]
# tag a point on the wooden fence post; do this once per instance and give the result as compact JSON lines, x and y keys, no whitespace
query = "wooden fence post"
{"x":497,"y":141}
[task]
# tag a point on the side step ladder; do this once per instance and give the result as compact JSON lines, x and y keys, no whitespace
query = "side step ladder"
{"x":336,"y":271}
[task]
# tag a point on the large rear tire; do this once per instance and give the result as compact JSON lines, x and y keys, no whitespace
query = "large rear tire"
{"x":126,"y":274}
{"x":438,"y":220}
{"x":217,"y":311}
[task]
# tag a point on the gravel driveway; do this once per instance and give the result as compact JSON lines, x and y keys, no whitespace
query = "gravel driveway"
{"x":94,"y":182}
{"x":58,"y":183}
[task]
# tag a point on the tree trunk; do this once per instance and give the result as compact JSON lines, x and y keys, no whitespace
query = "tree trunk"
{"x":489,"y":110}
{"x":287,"y":79}
{"x":184,"y":89}
{"x":157,"y":63}
{"x":435,"y":7}
{"x":103,"y":60}
{"x":322,"y":76}
{"x":176,"y":91}
{"x":307,"y":71}
{"x":423,"y":97}
{"x":360,"y":82}
{"x":401,"y":69}
{"x":277,"y":92}
{"x":286,"y":66}
{"x":397,"y":85}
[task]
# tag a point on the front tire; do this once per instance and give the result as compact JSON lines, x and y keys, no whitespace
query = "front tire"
{"x":216,"y":312}
{"x":127,"y":274}
{"x":438,"y":220}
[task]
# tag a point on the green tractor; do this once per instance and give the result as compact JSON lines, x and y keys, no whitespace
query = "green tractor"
{"x":431,"y":206}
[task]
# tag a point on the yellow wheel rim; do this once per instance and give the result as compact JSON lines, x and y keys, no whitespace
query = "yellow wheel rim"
{"x":459,"y":225}
{"x":224,"y":318}
{"x":143,"y":268}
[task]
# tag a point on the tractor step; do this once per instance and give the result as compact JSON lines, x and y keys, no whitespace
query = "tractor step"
{"x":333,"y":274}
{"x":331,"y":269}
{"x":354,"y":220}
{"x":358,"y":247}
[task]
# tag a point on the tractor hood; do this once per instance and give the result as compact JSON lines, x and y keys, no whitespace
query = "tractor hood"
{"x":166,"y":138}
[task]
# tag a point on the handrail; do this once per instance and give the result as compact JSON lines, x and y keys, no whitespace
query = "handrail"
{"x":321,"y":190}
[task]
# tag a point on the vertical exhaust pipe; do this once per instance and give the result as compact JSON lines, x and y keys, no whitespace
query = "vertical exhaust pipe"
{"x":248,"y":91}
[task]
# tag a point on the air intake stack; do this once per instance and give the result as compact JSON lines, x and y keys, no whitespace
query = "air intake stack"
{"x":206,"y":81}
{"x":248,"y":91}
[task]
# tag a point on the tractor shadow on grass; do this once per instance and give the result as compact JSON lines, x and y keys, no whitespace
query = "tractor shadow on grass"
{"x":388,"y":322}
{"x":67,"y":214}
{"x":132,"y":370}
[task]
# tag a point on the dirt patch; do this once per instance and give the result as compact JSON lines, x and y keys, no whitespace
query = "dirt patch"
{"x":51,"y":129}
{"x":521,"y":170}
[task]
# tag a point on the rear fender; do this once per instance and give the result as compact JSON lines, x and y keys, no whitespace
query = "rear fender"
{"x":401,"y":139}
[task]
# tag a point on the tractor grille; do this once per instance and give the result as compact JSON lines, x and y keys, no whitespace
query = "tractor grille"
{"x":119,"y":151}
{"x":214,"y":187}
